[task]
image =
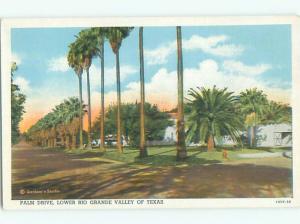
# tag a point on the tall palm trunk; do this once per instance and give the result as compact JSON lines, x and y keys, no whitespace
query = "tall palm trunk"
{"x":89,"y":145}
{"x":181,"y":149}
{"x":80,"y":113}
{"x":119,"y":142}
{"x":102,"y":134}
{"x":143,"y":149}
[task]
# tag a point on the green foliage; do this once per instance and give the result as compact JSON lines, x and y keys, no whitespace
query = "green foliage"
{"x":252,"y":103}
{"x":116,"y":35}
{"x":276,"y":113}
{"x":155,"y":122}
{"x":75,"y":58}
{"x":212,"y":112}
{"x":87,"y":45}
{"x":17,"y":107}
{"x":99,"y":34}
{"x":62,"y":114}
{"x":83,"y":49}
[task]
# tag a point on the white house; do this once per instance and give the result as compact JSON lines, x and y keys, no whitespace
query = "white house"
{"x":170,"y":132}
{"x":274,"y":135}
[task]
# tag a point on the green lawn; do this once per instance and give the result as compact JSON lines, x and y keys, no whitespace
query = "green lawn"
{"x":166,"y":155}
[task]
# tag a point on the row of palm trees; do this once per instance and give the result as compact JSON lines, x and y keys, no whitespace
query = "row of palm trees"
{"x":62,"y":122}
{"x":88,"y":45}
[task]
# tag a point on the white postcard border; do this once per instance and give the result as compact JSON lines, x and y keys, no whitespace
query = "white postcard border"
{"x":7,"y":24}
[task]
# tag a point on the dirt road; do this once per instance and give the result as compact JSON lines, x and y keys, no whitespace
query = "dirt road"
{"x":46,"y":174}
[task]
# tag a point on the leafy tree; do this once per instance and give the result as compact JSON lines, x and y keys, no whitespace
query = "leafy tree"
{"x":17,"y":107}
{"x":155,"y":122}
{"x":212,"y":113}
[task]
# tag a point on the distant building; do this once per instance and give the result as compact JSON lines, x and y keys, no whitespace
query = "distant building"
{"x":170,"y":132}
{"x":273,"y":135}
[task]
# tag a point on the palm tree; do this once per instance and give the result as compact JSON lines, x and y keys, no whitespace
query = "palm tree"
{"x":87,"y":47}
{"x":116,"y":36}
{"x":74,"y":61}
{"x":72,"y":112}
{"x":212,"y":113}
{"x":61,"y":112}
{"x":252,"y":103}
{"x":143,"y":148}
{"x":180,"y":145}
{"x":41,"y":131}
{"x":100,"y":34}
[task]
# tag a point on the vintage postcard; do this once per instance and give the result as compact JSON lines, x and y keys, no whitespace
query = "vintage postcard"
{"x":191,"y":112}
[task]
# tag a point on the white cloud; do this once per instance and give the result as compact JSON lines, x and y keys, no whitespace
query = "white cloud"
{"x":16,"y":58}
{"x":59,"y":64}
{"x":23,"y":84}
{"x":214,"y":45}
{"x":162,"y":88}
{"x":159,"y":55}
{"x":238,"y":67}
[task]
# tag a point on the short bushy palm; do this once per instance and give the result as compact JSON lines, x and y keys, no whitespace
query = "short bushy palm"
{"x":212,"y":113}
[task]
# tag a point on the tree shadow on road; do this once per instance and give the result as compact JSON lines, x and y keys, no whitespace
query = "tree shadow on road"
{"x":210,"y":181}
